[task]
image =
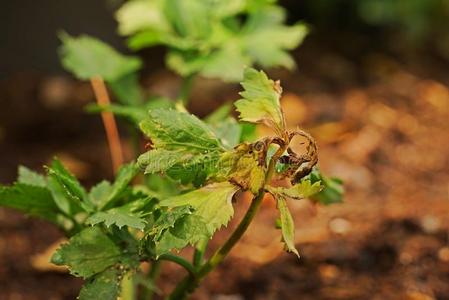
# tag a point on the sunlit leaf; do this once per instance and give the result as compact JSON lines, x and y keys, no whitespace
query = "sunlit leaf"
{"x":260,"y":102}
{"x":301,"y":190}
{"x":287,"y":226}
{"x":29,"y":177}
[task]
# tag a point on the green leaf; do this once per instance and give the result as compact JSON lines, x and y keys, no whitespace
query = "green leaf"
{"x":301,"y":190}
{"x":184,"y":147}
{"x":190,"y":18}
{"x":64,"y":202}
{"x":191,"y":217}
{"x":287,"y":226}
{"x":226,"y":128}
{"x":99,"y":193}
{"x":124,"y":176}
{"x":227,"y":63}
{"x":134,"y":114}
{"x":267,"y":40}
{"x":87,"y":57}
{"x":174,"y":130}
{"x":260,"y":103}
{"x":104,"y":286}
{"x":30,"y":199}
{"x":127,"y":89}
{"x":27,"y":176}
{"x":189,"y":230}
{"x":228,"y":132}
{"x":130,"y":215}
{"x":220,"y":114}
{"x":168,"y":219}
{"x":332,"y":191}
{"x":213,"y":203}
{"x":138,"y":15}
{"x":63,"y":183}
{"x":89,"y":252}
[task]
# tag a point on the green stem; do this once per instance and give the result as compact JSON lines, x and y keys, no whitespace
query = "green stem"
{"x":188,"y":285}
{"x":128,"y":288}
{"x":178,"y":260}
{"x":191,"y":282}
{"x":152,"y":276}
{"x":198,"y":255}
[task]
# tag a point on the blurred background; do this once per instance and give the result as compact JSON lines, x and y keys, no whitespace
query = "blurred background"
{"x":372,"y":85}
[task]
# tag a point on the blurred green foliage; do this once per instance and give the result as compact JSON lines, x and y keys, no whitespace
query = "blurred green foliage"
{"x":415,"y":22}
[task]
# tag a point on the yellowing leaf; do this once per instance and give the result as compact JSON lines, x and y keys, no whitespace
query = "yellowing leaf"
{"x":212,"y":203}
{"x":301,"y":190}
{"x":287,"y":226}
{"x":27,"y":176}
{"x":260,"y":102}
{"x":243,"y":167}
{"x":191,"y":217}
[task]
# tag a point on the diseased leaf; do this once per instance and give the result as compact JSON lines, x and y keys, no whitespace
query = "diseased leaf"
{"x":260,"y":102}
{"x":287,"y":226}
{"x":168,"y":219}
{"x":29,"y":199}
{"x":243,"y":167}
{"x":174,"y":130}
{"x":213,"y":203}
{"x":89,"y":252}
{"x":189,"y":230}
{"x":130,"y":215}
{"x":185,"y":148}
{"x":301,"y":190}
{"x":87,"y":57}
{"x":29,"y":177}
{"x":191,"y":217}
{"x":104,"y":286}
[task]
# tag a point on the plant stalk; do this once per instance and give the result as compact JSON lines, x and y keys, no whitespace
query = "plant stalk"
{"x":152,"y":276}
{"x":191,"y":282}
{"x":110,"y":126}
{"x":198,"y":255}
